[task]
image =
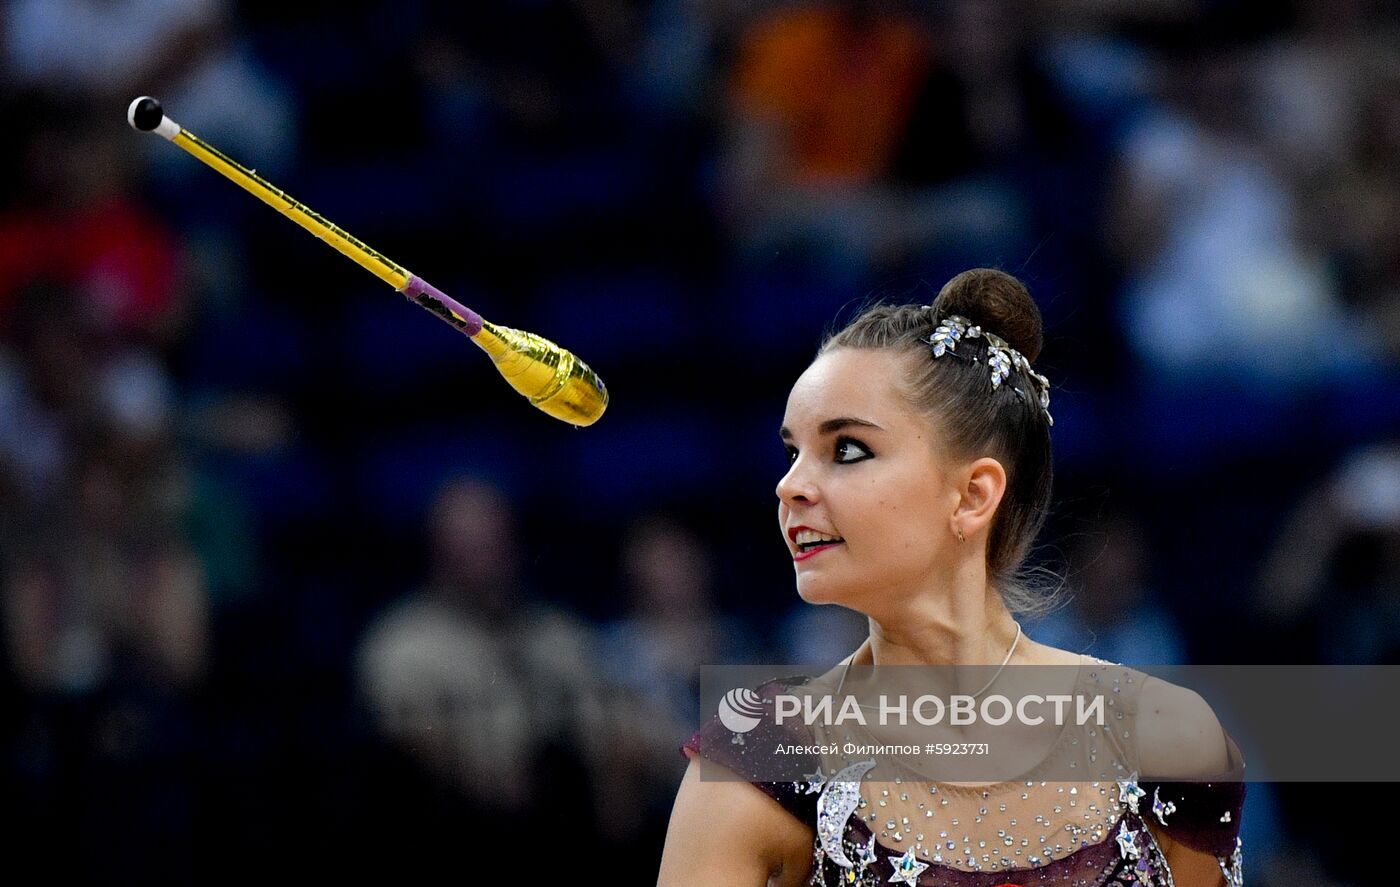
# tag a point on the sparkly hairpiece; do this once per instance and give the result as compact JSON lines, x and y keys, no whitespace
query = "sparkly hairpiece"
{"x":1001,"y":357}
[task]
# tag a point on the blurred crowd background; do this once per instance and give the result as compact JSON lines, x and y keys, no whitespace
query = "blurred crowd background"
{"x":294,"y":585}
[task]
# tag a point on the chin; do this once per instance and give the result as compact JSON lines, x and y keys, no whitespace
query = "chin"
{"x":819,"y":592}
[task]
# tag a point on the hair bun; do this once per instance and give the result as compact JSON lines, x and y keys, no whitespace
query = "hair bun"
{"x":997,"y":302}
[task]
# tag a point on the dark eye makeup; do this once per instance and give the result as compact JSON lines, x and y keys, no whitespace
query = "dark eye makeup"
{"x":846,"y":441}
{"x":842,"y":443}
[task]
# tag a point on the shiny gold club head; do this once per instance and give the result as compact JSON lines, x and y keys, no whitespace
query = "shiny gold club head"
{"x":549,"y":376}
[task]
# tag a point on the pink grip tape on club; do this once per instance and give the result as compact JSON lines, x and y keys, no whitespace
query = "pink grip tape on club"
{"x":419,"y":290}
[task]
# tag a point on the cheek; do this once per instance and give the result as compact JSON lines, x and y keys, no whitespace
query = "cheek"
{"x":899,"y":515}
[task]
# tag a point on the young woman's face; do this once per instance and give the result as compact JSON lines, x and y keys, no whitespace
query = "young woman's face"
{"x":866,"y":468}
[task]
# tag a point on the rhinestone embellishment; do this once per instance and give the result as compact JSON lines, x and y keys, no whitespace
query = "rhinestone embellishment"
{"x":1001,"y":357}
{"x":1129,"y":792}
{"x":834,"y":806}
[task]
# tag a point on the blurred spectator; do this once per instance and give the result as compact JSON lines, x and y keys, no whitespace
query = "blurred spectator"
{"x":652,"y":658}
{"x":93,"y":47}
{"x":108,"y":624}
{"x":114,"y":574}
{"x":32,"y":451}
{"x":1219,"y":282}
{"x":672,"y":627}
{"x":473,"y":673}
{"x":1329,"y":591}
{"x":74,"y":224}
{"x":187,"y":51}
{"x":834,"y":86}
{"x":98,"y":557}
{"x":799,"y":165}
{"x":873,"y":136}
{"x":1330,"y":588}
{"x":54,"y":642}
{"x":1352,"y":201}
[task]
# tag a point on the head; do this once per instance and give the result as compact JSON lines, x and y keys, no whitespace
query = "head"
{"x":928,"y":450}
{"x":472,"y":532}
{"x":667,"y":567}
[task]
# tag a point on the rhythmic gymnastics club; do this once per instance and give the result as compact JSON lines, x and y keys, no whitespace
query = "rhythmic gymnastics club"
{"x":551,"y":377}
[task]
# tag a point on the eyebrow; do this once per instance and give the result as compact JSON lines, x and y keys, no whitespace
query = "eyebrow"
{"x":831,"y":425}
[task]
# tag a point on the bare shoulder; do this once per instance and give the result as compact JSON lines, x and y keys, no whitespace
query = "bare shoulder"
{"x":730,"y":832}
{"x":1179,"y":735}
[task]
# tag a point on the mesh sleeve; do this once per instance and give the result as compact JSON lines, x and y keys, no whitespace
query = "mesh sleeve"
{"x":1207,"y":810}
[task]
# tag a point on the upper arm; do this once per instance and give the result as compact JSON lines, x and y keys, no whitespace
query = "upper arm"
{"x":730,"y":832}
{"x":1190,"y":867}
{"x":1180,"y":737}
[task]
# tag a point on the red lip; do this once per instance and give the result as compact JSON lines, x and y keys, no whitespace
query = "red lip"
{"x":803,"y":555}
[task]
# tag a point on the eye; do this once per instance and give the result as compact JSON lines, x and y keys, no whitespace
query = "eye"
{"x":846,"y":443}
{"x":843,"y":445}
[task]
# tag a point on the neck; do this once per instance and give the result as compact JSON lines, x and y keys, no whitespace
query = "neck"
{"x":987,"y":638}
{"x":939,"y":644}
{"x":972,"y":628}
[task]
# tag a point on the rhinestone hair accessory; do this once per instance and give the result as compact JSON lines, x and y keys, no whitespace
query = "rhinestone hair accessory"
{"x":1001,"y":357}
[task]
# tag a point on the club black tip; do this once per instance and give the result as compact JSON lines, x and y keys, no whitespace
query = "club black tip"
{"x":145,"y":114}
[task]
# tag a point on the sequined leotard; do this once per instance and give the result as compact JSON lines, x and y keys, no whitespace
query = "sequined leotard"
{"x":1021,"y":832}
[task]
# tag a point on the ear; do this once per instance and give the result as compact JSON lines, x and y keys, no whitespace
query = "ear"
{"x":981,"y":485}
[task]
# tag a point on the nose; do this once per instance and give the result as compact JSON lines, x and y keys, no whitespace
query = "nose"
{"x":794,"y":486}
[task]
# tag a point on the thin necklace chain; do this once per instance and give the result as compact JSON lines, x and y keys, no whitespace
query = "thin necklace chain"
{"x":1002,"y":667}
{"x":1014,"y":642}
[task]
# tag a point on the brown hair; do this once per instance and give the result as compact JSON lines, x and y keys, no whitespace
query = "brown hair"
{"x":972,"y":418}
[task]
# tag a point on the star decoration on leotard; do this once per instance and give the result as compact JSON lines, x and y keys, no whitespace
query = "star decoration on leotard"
{"x":907,"y":868}
{"x":1129,"y":792}
{"x":815,"y":781}
{"x":1127,"y":841}
{"x":1159,"y":807}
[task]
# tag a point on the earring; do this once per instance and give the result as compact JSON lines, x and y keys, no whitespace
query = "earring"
{"x":961,"y":538}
